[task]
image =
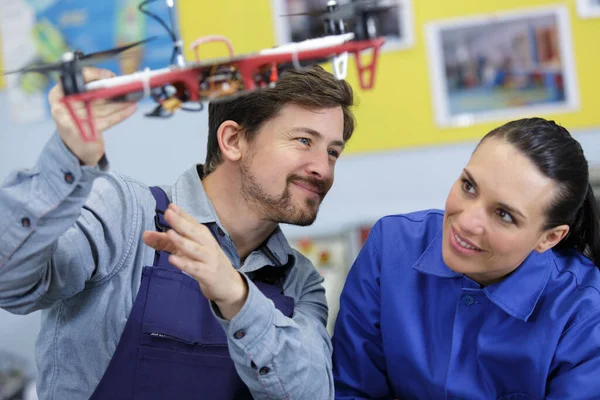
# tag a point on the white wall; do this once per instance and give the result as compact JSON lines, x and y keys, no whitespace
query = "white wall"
{"x":366,"y":187}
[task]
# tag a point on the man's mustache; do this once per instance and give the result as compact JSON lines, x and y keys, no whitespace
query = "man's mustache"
{"x":321,"y":186}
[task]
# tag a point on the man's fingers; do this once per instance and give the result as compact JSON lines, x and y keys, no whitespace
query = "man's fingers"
{"x":100,"y":108}
{"x":94,"y":74}
{"x":105,"y":116}
{"x":187,"y":248}
{"x":187,"y":226}
{"x":159,"y":241}
{"x":55,"y":94}
{"x":106,"y":109}
{"x":104,"y":123}
{"x":182,"y":213}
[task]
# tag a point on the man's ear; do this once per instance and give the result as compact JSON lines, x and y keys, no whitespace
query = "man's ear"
{"x":231,"y":140}
{"x":551,"y":238}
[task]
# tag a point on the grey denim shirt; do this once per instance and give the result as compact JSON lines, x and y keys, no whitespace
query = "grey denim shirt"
{"x":70,"y":245}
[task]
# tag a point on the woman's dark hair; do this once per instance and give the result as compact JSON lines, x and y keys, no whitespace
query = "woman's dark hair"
{"x":560,"y":157}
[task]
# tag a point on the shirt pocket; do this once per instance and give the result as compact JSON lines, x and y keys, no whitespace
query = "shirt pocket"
{"x":183,"y":348}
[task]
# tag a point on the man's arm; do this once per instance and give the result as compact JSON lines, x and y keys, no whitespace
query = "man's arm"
{"x":51,"y":241}
{"x":280,"y":357}
{"x":54,"y":236}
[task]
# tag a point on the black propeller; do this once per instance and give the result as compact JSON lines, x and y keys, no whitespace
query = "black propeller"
{"x":105,"y":54}
{"x":83,"y":60}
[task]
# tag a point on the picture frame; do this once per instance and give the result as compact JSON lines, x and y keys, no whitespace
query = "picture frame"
{"x":502,"y":66}
{"x":588,"y":8}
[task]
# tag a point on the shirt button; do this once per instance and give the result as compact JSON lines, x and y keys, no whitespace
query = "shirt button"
{"x":264,"y":371}
{"x":25,"y":222}
{"x":468,"y":300}
{"x":239,"y":334}
{"x":221,"y":233}
{"x":69,"y":177}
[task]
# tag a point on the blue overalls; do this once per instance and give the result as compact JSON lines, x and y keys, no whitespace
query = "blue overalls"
{"x":172,"y":346}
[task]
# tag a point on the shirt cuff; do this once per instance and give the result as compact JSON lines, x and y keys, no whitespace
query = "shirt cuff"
{"x":245,"y":330}
{"x":56,"y":176}
{"x":63,"y":170}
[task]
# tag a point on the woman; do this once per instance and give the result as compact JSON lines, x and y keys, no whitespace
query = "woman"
{"x":497,"y":297}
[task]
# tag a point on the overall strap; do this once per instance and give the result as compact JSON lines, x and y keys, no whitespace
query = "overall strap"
{"x":162,"y":202}
{"x":161,"y":258}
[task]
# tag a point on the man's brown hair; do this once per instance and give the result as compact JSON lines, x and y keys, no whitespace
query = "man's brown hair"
{"x":312,"y":88}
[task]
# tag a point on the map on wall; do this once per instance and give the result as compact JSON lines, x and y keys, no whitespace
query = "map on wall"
{"x":40,"y":31}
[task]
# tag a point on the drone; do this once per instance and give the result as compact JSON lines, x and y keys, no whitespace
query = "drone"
{"x":182,"y":83}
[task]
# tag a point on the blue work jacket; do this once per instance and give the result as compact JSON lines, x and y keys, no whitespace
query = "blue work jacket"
{"x":411,"y":328}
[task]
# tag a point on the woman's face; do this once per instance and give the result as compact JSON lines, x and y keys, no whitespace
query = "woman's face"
{"x":495,"y":213}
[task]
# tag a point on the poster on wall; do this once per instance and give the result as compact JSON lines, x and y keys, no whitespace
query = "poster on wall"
{"x":396,"y":24}
{"x":502,"y":66}
{"x":41,"y":31}
{"x":588,"y":8}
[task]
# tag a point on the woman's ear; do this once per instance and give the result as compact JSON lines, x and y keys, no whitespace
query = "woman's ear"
{"x":551,"y":238}
{"x":231,"y":140}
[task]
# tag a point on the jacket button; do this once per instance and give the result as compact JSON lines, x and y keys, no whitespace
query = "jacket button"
{"x":239,"y":334}
{"x":69,"y":177}
{"x":25,"y":222}
{"x":264,"y":371}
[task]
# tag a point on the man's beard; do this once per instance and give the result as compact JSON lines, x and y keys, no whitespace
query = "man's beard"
{"x":282,"y":209}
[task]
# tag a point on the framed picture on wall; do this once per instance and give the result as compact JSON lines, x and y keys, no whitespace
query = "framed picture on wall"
{"x":502,"y":66}
{"x":396,"y":25}
{"x":588,"y":8}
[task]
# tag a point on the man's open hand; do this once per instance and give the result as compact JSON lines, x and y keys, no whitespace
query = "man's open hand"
{"x":195,"y":251}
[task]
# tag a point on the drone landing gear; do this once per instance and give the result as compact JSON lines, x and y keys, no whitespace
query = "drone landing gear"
{"x":370,"y":67}
{"x":85,"y":125}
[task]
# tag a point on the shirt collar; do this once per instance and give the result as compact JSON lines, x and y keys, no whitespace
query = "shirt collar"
{"x":188,"y":193}
{"x":517,"y":294}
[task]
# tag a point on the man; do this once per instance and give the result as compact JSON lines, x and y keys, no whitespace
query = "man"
{"x":145,"y":300}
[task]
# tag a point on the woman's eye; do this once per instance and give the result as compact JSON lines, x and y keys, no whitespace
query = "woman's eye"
{"x":467,"y":186}
{"x":505,"y":216}
{"x":304,"y":141}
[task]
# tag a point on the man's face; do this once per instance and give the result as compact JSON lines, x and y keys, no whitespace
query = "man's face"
{"x":289,"y":166}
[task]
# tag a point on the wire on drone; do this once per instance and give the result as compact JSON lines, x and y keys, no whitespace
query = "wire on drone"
{"x":176,"y":46}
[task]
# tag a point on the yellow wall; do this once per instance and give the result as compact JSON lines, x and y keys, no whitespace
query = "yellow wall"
{"x":398,"y":112}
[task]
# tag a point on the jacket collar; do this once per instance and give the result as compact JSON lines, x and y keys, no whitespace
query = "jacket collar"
{"x":517,"y":294}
